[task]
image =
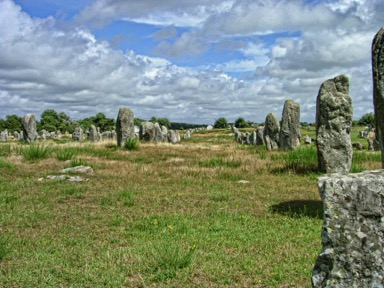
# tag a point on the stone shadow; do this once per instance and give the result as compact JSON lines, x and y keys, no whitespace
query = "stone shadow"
{"x":300,"y":208}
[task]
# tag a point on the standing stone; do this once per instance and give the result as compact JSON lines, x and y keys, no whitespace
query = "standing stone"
{"x":378,"y":87}
{"x":334,"y":125}
{"x":260,"y":136}
{"x":93,"y":134}
{"x":271,"y":132}
{"x":125,"y":128}
{"x":353,"y":231}
{"x":150,"y":132}
{"x":290,"y":126}
{"x":4,"y":135}
{"x":187,"y":134}
{"x":164,"y":133}
{"x":29,"y":128}
{"x":16,"y":135}
{"x":78,"y":134}
{"x":173,"y":136}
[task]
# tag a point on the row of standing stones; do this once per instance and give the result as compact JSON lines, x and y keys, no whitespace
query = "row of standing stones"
{"x":353,"y":230}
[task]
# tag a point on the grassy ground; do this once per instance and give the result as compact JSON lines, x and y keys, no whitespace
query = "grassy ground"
{"x":161,"y":216}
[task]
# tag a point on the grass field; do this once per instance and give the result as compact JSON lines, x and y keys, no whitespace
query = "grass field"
{"x":162,"y":215}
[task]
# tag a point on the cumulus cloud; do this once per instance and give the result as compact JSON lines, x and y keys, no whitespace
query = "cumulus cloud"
{"x":43,"y":66}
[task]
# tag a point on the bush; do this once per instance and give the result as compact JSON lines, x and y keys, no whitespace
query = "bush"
{"x":132,"y":144}
{"x":241,"y":123}
{"x":221,"y":123}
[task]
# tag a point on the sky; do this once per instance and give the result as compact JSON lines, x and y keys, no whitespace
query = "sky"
{"x":188,"y":61}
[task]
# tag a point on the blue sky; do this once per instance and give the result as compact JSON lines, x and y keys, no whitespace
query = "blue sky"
{"x":190,"y":61}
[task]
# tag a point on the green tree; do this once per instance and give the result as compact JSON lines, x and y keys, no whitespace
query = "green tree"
{"x":49,"y":120}
{"x":367,"y":119}
{"x":102,"y":121}
{"x":13,"y":123}
{"x":164,"y":122}
{"x":221,"y":123}
{"x":241,"y":123}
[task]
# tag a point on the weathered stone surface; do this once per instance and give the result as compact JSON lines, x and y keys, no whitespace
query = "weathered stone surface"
{"x":16,"y":135}
{"x":353,"y":231}
{"x":209,"y":127}
{"x":78,"y":134}
{"x":94,"y":134}
{"x":260,"y":136}
{"x":307,"y":140}
{"x":333,"y":126}
{"x":150,"y":132}
{"x":290,"y":126}
{"x":4,"y":135}
{"x":378,"y":86}
{"x":271,"y":132}
{"x":173,"y":136}
{"x":164,"y":134}
{"x":125,"y":127}
{"x":78,"y":169}
{"x":29,"y":128}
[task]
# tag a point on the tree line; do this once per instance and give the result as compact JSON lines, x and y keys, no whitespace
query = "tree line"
{"x":52,"y":121}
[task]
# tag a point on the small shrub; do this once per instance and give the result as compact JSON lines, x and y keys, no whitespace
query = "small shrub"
{"x":132,"y":144}
{"x":35,"y":152}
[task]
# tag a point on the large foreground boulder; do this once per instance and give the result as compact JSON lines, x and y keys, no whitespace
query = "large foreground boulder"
{"x":334,"y":125}
{"x":353,"y":231}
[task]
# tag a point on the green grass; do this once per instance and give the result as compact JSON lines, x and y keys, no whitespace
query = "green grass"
{"x":4,"y":246}
{"x":132,"y":144}
{"x":35,"y":152}
{"x":300,"y":160}
{"x":163,"y":216}
{"x":64,"y":154}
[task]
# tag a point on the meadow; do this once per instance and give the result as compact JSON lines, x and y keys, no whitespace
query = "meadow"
{"x":207,"y":212}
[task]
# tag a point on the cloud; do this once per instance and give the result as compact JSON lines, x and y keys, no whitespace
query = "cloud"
{"x":43,"y":66}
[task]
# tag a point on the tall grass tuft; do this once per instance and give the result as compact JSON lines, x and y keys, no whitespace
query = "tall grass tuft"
{"x":132,"y":144}
{"x":64,"y":154}
{"x":5,"y":150}
{"x":167,"y":259}
{"x":35,"y":152}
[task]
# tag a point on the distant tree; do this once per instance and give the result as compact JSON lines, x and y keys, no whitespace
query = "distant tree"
{"x":13,"y":123}
{"x":137,"y":121}
{"x":49,"y":120}
{"x":164,"y":122}
{"x":367,"y":119}
{"x":241,"y":123}
{"x":221,"y":123}
{"x":105,"y":124}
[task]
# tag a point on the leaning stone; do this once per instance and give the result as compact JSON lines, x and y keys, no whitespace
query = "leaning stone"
{"x":378,"y":86}
{"x":290,"y":126}
{"x":271,"y":132}
{"x":57,"y":177}
{"x":334,"y":125}
{"x":29,"y":128}
{"x":353,"y":231}
{"x":125,"y":128}
{"x":78,"y":169}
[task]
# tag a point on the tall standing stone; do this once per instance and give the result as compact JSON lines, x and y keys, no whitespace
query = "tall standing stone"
{"x":271,"y":132}
{"x":378,"y":87}
{"x":353,"y":233}
{"x":333,"y":126}
{"x":125,"y":128}
{"x":29,"y":128}
{"x":93,"y":134}
{"x":290,"y":126}
{"x":260,"y":136}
